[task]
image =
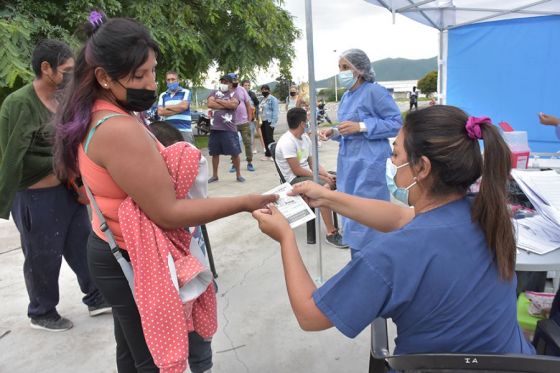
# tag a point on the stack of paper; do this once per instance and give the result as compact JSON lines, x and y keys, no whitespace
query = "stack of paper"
{"x":537,"y":234}
{"x":541,"y":233}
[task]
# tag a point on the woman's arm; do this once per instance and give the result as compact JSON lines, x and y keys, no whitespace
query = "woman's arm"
{"x":383,"y":216}
{"x":299,"y":284}
{"x":132,"y":159}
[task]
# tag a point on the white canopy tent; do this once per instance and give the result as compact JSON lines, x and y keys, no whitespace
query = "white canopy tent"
{"x":448,"y":14}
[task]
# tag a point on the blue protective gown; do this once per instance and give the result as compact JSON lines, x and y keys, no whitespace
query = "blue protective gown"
{"x":362,"y":156}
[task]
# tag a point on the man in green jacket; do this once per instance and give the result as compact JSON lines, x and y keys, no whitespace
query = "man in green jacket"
{"x":51,"y":222}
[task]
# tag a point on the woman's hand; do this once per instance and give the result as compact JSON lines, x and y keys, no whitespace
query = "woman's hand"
{"x":273,"y":223}
{"x":348,"y":128}
{"x":314,"y":194}
{"x":548,"y":120}
{"x":325,"y":134}
{"x":258,"y":201}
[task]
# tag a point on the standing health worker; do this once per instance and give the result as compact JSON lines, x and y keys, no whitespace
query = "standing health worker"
{"x":367,"y":117}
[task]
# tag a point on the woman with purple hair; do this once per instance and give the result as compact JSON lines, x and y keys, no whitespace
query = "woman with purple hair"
{"x":99,"y":137}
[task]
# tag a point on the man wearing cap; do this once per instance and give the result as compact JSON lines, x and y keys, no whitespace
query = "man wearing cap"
{"x":224,"y":139}
{"x":243,"y":115}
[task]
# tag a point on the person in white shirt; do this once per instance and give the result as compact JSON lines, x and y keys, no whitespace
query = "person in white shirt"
{"x":293,"y":156}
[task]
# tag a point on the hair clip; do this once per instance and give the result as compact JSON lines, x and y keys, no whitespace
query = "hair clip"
{"x":473,"y":126}
{"x":96,"y":18}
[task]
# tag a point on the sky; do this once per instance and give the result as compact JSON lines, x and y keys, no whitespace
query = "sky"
{"x":339,"y":25}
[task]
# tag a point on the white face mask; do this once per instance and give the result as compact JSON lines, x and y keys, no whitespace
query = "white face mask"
{"x":224,"y":87}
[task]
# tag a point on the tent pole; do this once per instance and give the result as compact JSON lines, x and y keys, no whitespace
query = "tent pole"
{"x":313,"y":120}
{"x":440,"y":69}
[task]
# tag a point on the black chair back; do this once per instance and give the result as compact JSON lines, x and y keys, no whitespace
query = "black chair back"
{"x":456,"y":363}
{"x":381,"y":359}
{"x":272,"y":150}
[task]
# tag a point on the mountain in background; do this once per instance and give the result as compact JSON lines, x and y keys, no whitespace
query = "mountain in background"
{"x":403,"y":69}
{"x":390,"y":69}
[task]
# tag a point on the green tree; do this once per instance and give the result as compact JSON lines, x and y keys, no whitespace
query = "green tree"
{"x":233,"y":35}
{"x":428,"y":84}
{"x":281,"y":89}
{"x":328,"y":94}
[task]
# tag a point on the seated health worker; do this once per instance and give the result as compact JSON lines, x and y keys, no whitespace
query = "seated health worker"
{"x":444,"y":269}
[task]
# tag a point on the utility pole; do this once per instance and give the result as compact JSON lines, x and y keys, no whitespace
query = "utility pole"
{"x":335,"y":88}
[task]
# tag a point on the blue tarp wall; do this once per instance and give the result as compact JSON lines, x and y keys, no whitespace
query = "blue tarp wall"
{"x":509,"y":71}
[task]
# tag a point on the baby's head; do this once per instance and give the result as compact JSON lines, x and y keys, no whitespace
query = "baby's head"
{"x":165,"y":133}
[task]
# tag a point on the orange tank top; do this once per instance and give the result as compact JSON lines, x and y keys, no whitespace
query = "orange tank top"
{"x":107,"y":193}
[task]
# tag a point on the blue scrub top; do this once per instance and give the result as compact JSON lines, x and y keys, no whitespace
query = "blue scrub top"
{"x":362,"y":156}
{"x":436,"y":279}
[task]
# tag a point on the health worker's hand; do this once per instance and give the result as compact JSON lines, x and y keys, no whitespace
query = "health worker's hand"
{"x":549,"y":120}
{"x":273,"y":223}
{"x":313,"y":193}
{"x":258,"y":201}
{"x":348,"y":128}
{"x":325,"y":134}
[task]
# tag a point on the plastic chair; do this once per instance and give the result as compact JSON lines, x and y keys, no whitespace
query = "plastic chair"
{"x":311,"y":234}
{"x":547,"y":333}
{"x":527,"y":322}
{"x":381,"y":360}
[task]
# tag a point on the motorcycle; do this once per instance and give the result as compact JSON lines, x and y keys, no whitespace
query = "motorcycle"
{"x":202,"y":123}
{"x":322,"y":115}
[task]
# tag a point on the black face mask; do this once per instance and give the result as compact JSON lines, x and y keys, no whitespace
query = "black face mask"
{"x":292,"y":94}
{"x":235,"y":85}
{"x":66,"y":78}
{"x":138,"y":99}
{"x":265,"y":93}
{"x":60,"y":87}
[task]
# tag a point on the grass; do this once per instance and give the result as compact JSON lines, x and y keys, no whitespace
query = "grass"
{"x":201,"y":141}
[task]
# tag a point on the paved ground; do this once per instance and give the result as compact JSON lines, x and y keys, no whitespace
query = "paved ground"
{"x":257,"y":330}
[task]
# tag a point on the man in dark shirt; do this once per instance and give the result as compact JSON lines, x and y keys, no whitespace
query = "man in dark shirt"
{"x":224,"y":139}
{"x":413,"y":99}
{"x":51,"y":222}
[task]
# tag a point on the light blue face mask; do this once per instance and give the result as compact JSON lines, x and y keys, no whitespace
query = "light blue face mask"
{"x":400,"y":194}
{"x":346,"y":79}
{"x":173,"y":86}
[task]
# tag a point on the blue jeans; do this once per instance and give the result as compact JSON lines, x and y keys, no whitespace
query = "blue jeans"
{"x":52,"y":225}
